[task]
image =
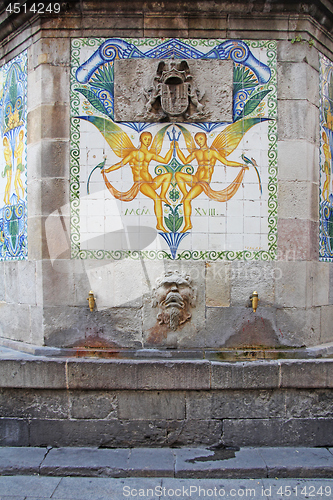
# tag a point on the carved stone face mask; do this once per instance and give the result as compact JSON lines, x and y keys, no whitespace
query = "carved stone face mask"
{"x":174,"y":295}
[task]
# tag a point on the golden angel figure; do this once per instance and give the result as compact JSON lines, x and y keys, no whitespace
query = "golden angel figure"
{"x":139,"y":160}
{"x":223,"y":145}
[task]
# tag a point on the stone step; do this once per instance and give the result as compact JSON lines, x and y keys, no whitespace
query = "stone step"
{"x":196,"y":463}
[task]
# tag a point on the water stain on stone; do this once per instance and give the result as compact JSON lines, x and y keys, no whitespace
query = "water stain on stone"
{"x":255,"y":332}
{"x":221,"y":453}
{"x":157,"y":334}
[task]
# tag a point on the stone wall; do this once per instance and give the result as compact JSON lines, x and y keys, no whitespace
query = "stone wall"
{"x":109,"y":404}
{"x":43,"y":299}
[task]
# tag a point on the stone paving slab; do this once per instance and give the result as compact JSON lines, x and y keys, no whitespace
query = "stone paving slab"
{"x":28,"y":486}
{"x":199,"y":489}
{"x":74,"y":488}
{"x":151,"y":462}
{"x":84,"y":488}
{"x":192,"y":462}
{"x":21,"y":461}
{"x":281,"y":489}
{"x":297,"y":462}
{"x":86,"y":462}
{"x":168,"y":462}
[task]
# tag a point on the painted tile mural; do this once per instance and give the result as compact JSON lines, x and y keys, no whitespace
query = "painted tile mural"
{"x":13,"y":161}
{"x":173,"y":190}
{"x":326,"y":168}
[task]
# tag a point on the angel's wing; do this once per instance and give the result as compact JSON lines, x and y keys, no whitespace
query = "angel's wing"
{"x":190,"y":144}
{"x":116,"y":138}
{"x":230,"y":137}
{"x":158,"y":140}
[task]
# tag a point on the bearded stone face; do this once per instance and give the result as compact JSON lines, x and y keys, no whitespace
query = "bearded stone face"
{"x":174,"y":295}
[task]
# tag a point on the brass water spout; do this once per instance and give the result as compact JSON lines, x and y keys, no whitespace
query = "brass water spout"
{"x":254,"y":299}
{"x":91,"y":300}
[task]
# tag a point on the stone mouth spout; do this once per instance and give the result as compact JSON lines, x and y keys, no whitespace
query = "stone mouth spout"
{"x":174,"y":300}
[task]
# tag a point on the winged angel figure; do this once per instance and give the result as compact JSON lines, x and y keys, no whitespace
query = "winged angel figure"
{"x":206,"y":157}
{"x":223,"y":145}
{"x":139,"y":160}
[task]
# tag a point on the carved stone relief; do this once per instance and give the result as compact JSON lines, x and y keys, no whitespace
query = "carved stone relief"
{"x":170,"y":90}
{"x":174,"y":295}
{"x":172,"y":93}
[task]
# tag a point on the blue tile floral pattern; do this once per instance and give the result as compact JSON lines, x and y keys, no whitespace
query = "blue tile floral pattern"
{"x":326,"y":166}
{"x":13,"y":159}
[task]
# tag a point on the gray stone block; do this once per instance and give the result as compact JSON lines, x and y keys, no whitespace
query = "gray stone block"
{"x":290,"y":289}
{"x":318,"y":279}
{"x":26,"y":282}
{"x":278,"y":432}
{"x":298,"y":160}
{"x":48,"y":122}
{"x":307,"y":374}
{"x":36,"y":329}
{"x":308,"y":404}
{"x":298,"y":80}
{"x":245,"y":277}
{"x":11,"y":282}
{"x":298,"y":120}
{"x":299,"y":462}
{"x":330,"y":298}
{"x":326,"y":315}
{"x":78,"y":327}
{"x":15,"y":321}
{"x":218,"y":284}
{"x":239,"y":326}
{"x":245,"y":375}
{"x":93,"y":404}
{"x":200,"y":23}
{"x":21,"y":461}
{"x":157,"y":23}
{"x":298,"y":240}
{"x":14,"y":432}
{"x":35,"y":244}
{"x":85,"y":462}
{"x":297,"y":53}
{"x":149,"y":462}
{"x":194,"y":432}
{"x":235,"y":404}
{"x":151,"y":405}
{"x":139,"y":374}
{"x":291,"y":321}
{"x":54,"y":196}
{"x":19,"y":403}
{"x":50,"y":50}
{"x":298,"y":200}
{"x":2,"y":278}
{"x":37,"y":374}
{"x":98,"y":433}
{"x":195,"y":463}
{"x":55,"y":151}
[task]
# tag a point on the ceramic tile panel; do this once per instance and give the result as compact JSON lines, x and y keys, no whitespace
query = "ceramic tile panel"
{"x":13,"y":159}
{"x":189,"y":190}
{"x":326,"y":168}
